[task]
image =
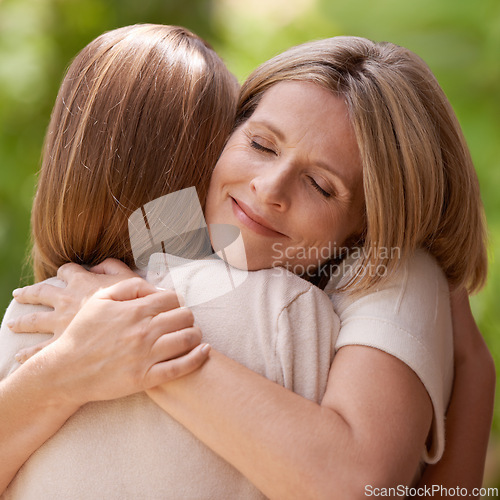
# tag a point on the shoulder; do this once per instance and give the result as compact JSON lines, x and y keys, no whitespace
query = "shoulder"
{"x":206,"y":280}
{"x":419,"y":286}
{"x":411,"y":310}
{"x":306,"y":329}
{"x":409,"y":317}
{"x":287,"y":289}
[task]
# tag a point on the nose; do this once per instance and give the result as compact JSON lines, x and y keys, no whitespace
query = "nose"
{"x":273,"y":186}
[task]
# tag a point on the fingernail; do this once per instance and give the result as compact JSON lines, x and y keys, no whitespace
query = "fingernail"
{"x":206,"y":348}
{"x":10,"y":323}
{"x":19,"y":358}
{"x":16,"y":292}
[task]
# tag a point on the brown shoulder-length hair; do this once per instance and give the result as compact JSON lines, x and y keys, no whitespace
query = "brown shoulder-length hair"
{"x":143,"y":111}
{"x":420,"y":186}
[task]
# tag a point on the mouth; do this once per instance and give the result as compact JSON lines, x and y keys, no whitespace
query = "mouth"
{"x":253,"y":221}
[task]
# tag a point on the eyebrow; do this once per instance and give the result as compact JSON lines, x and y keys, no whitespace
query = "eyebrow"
{"x":271,"y":127}
{"x":342,"y":179}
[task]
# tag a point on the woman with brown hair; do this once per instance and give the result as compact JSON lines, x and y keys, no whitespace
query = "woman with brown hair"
{"x":366,"y":127}
{"x":142,"y":114}
{"x":117,"y":115}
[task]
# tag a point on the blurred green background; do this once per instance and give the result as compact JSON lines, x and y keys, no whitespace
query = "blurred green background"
{"x":459,"y":39}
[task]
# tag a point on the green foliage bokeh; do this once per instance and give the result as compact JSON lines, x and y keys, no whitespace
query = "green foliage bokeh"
{"x":460,"y":40}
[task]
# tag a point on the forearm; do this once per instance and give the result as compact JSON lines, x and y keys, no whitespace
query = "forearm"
{"x":468,"y":425}
{"x":225,"y":406}
{"x":31,"y":411}
{"x":288,"y":446}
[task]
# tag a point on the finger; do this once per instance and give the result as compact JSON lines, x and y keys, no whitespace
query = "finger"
{"x":38,"y":322}
{"x":114,"y":267}
{"x":152,"y":300}
{"x":24,"y":354}
{"x":68,"y":271}
{"x":171,"y":321}
{"x":38,"y":294}
{"x":176,"y":368}
{"x":173,"y":345}
{"x":130,"y":289}
{"x":162,"y":301}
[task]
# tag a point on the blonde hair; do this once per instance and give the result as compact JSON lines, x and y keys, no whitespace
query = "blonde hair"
{"x":143,"y":111}
{"x":420,"y":186}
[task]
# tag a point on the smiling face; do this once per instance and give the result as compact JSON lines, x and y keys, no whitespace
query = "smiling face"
{"x":290,"y":178}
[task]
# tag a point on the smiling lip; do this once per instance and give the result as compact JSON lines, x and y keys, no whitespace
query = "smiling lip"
{"x":257,"y":224}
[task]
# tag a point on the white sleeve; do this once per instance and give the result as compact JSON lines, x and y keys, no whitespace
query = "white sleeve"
{"x":409,"y":318}
{"x":307,"y":330}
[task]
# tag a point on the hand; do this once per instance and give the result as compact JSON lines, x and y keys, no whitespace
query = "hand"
{"x":125,"y":339}
{"x":66,"y":302}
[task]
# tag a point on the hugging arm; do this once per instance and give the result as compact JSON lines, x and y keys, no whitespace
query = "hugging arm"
{"x":38,"y":397}
{"x":470,"y":412}
{"x":30,"y":412}
{"x":65,"y":302}
{"x":369,"y":429}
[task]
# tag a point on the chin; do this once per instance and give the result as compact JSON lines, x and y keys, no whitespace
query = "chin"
{"x":239,"y":259}
{"x":234,"y":254}
{"x":258,"y":265}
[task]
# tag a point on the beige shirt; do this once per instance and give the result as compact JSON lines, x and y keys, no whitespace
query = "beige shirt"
{"x":273,"y":322}
{"x":281,"y":327}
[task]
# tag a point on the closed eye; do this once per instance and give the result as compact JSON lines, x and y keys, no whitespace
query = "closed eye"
{"x":318,"y":188}
{"x":260,"y":147}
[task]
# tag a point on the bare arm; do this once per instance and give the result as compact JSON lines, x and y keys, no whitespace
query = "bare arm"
{"x":470,"y":412}
{"x":44,"y":392}
{"x":369,"y":430}
{"x":30,"y":412}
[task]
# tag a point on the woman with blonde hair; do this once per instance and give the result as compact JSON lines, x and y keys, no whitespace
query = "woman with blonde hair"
{"x":367,"y":128}
{"x":420,"y":192}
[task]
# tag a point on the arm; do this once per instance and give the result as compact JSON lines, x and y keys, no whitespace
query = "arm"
{"x":372,"y":425}
{"x":45,"y":391}
{"x":470,"y":412}
{"x":31,"y":411}
{"x":369,"y":430}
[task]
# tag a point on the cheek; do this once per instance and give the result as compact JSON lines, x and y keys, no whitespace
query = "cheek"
{"x":226,"y":169}
{"x":212,"y":187}
{"x":213,"y":196}
{"x":325,"y":224}
{"x":356,"y":223}
{"x":329,"y":228}
{"x":219,"y":179}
